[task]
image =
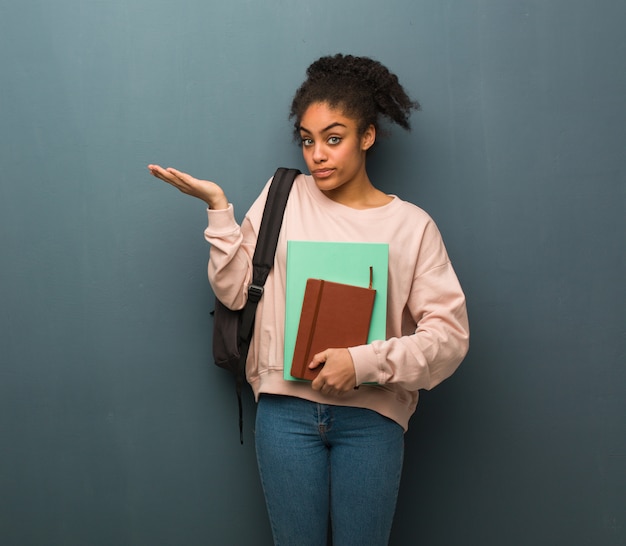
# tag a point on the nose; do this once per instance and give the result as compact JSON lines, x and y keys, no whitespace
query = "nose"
{"x":319,"y":153}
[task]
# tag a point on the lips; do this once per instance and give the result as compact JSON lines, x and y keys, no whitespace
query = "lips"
{"x":322,"y":173}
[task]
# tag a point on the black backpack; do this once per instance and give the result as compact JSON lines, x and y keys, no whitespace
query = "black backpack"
{"x":232,"y":330}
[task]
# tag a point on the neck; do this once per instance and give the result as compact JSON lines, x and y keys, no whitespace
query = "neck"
{"x":358,"y":195}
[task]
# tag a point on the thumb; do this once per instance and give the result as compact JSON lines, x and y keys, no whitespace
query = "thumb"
{"x":318,"y":360}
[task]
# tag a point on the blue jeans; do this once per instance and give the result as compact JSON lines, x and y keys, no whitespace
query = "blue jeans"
{"x":317,"y":461}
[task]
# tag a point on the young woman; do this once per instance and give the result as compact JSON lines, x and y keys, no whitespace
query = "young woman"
{"x":328,"y":450}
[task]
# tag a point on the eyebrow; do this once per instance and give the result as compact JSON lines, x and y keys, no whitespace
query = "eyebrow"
{"x":325,"y":129}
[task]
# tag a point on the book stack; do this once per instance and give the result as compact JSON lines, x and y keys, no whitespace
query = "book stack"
{"x":333,"y":315}
{"x":336,"y":298}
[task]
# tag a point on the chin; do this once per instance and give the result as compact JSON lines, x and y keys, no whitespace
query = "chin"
{"x":326,"y":185}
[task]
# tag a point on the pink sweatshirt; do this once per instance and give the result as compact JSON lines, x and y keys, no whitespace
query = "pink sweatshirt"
{"x":427,"y":326}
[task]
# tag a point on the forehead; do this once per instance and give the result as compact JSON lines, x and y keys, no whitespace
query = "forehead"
{"x":319,"y":116}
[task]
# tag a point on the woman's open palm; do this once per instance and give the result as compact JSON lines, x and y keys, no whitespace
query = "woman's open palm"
{"x":207,"y":191}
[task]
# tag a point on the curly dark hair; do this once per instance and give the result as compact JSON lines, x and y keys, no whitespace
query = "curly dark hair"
{"x":362,"y":87}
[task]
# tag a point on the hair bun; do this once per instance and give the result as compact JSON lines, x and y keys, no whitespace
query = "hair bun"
{"x":362,"y":86}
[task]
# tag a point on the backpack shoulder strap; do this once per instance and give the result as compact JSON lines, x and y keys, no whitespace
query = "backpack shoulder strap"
{"x":267,"y":241}
{"x":262,"y":263}
{"x":271,"y":223}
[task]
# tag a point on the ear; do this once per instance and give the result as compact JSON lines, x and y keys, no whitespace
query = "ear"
{"x":368,"y":138}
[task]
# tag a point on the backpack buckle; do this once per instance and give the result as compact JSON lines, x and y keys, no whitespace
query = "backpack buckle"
{"x":254,"y":293}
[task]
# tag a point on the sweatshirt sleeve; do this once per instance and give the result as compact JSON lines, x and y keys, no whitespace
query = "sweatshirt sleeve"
{"x":232,"y":249}
{"x":436,"y":325}
{"x":229,"y":258}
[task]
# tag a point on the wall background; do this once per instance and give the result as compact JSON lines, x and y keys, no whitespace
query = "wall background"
{"x":114,"y":427}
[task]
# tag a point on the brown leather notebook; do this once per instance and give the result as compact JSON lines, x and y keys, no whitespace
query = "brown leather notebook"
{"x":334,"y":315}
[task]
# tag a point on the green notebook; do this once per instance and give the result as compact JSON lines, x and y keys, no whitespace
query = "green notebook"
{"x":347,"y":263}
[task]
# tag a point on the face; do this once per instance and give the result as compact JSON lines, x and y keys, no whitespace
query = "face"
{"x":334,"y":150}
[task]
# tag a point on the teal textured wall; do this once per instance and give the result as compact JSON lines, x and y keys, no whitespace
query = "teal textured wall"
{"x":114,"y":427}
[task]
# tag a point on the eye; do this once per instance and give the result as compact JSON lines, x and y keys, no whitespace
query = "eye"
{"x":306,"y":141}
{"x":334,"y":140}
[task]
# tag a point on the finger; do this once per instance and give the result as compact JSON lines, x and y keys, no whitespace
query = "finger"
{"x":322,"y":384}
{"x":171,"y":176}
{"x":318,"y":359}
{"x":155,"y":170}
{"x":161,"y":173}
{"x":315,"y":363}
{"x":184,"y":178}
{"x":176,"y":172}
{"x":317,"y":384}
{"x":324,"y":389}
